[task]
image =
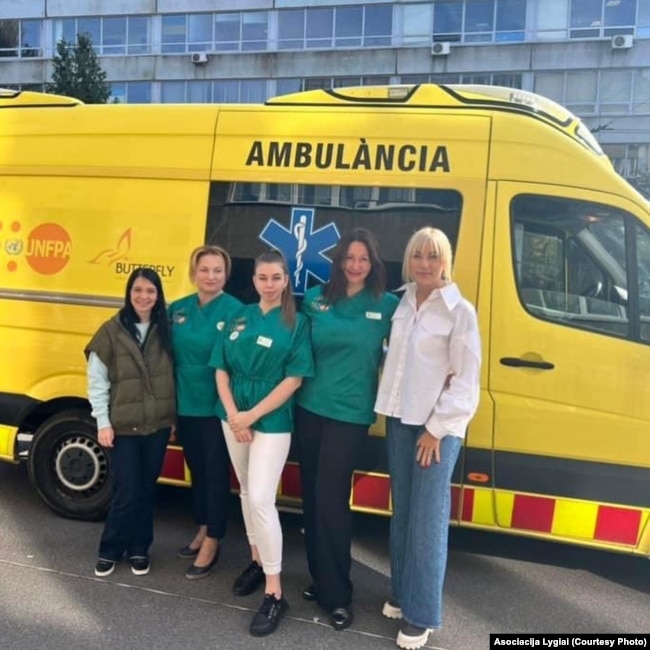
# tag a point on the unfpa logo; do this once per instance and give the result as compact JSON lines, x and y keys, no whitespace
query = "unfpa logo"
{"x":47,"y":248}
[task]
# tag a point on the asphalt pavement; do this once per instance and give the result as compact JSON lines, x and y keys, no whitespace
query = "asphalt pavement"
{"x":50,"y":598}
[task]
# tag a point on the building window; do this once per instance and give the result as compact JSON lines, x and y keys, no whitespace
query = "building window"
{"x":510,"y":21}
{"x":641,"y":91}
{"x":245,"y":32}
{"x":254,"y":31}
{"x":199,"y":32}
{"x":138,"y":35}
{"x":223,"y":91}
{"x":319,"y":27}
{"x":416,"y":20}
{"x":510,"y":80}
{"x":479,"y":21}
{"x":448,"y":21}
{"x":291,"y":29}
{"x":131,"y":92}
{"x":115,"y":35}
{"x":598,"y":18}
{"x":21,"y":38}
{"x":591,"y":92}
{"x":378,"y":25}
{"x":643,"y":21}
{"x":173,"y":36}
{"x":629,"y":160}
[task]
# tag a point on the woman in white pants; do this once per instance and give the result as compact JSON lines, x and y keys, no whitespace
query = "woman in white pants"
{"x":260,"y":361}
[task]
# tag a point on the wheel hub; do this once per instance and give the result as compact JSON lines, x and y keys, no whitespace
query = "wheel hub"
{"x":81,"y":464}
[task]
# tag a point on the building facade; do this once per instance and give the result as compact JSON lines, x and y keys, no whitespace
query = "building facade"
{"x":593,"y":56}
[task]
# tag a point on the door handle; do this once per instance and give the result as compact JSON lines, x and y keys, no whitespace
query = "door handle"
{"x":516,"y":362}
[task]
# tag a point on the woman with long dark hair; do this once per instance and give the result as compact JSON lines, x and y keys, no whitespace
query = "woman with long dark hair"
{"x":131,"y":391}
{"x":263,"y":358}
{"x":350,"y":318}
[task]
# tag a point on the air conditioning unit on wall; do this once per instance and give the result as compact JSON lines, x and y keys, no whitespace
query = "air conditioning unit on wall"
{"x":441,"y":48}
{"x":199,"y":58}
{"x":622,"y":41}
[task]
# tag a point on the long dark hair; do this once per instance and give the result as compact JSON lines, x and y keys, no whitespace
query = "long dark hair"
{"x":288,"y":304}
{"x":337,"y":286}
{"x":129,"y":318}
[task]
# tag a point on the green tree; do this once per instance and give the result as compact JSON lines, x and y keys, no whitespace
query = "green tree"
{"x":77,"y":72}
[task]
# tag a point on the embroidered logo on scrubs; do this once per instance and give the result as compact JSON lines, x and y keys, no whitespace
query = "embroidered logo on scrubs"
{"x":237,"y":326}
{"x":303,"y":246}
{"x":264,"y":341}
{"x":320,"y":304}
{"x":373,"y":315}
{"x":179,"y":317}
{"x":220,"y":325}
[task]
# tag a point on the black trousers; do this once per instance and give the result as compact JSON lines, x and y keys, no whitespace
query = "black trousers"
{"x":136,"y":462}
{"x":207,"y":457}
{"x":328,"y":451}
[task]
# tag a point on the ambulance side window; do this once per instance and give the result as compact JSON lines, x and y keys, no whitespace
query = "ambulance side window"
{"x":570,"y":262}
{"x":305,"y":222}
{"x":642,"y":238}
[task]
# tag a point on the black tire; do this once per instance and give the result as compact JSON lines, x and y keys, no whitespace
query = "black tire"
{"x":68,"y":467}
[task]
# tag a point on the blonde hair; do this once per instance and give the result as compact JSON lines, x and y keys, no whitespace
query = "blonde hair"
{"x":200,"y":251}
{"x":428,"y":239}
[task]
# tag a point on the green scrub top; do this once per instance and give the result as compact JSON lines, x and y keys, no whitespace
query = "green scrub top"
{"x":347,"y":341}
{"x":258,"y":351}
{"x":195,"y":329}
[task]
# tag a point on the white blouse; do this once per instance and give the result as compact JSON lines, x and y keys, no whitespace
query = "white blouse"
{"x":427,"y":345}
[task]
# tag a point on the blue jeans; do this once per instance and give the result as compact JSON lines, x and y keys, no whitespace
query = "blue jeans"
{"x":420,"y":524}
{"x":136,"y":462}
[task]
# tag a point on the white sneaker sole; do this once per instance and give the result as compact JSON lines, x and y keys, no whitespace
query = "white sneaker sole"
{"x":103,"y":574}
{"x":139,"y":572}
{"x":390,"y":611}
{"x":412,"y":642}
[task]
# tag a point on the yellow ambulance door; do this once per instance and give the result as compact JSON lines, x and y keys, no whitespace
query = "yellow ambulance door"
{"x":569,"y":358}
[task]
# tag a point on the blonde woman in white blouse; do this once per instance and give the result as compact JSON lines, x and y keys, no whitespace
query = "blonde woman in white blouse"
{"x":428,"y":392}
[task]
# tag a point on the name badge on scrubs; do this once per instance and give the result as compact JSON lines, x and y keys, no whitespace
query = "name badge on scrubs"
{"x":264,"y":341}
{"x":373,"y":315}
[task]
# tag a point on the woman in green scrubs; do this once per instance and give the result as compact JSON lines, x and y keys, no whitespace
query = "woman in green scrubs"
{"x":261,"y":362}
{"x":196,"y":321}
{"x":350,"y":320}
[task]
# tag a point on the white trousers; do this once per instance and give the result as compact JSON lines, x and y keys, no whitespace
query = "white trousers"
{"x":258,"y":466}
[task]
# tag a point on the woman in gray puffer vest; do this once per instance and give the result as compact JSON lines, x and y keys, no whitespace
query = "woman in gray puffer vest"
{"x":131,"y":391}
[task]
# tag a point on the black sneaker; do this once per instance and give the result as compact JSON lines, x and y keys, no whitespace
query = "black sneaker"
{"x":249,"y":580}
{"x":268,"y":616}
{"x":140,"y":565}
{"x":104,"y":568}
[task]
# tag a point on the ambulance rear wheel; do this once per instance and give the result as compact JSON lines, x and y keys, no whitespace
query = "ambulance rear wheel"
{"x":68,"y":468}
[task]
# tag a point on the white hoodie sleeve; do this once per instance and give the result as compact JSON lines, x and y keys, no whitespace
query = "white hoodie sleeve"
{"x":99,"y":388}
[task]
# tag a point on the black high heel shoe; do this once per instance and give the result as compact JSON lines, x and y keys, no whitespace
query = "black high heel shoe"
{"x":197,"y":572}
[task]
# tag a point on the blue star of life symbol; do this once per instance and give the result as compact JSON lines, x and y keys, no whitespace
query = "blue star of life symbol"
{"x":303,"y":246}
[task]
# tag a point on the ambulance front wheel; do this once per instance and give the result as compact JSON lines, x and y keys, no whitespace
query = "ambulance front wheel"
{"x":68,"y":467}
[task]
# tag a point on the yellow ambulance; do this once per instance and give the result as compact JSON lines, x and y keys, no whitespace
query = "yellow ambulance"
{"x":551,"y":245}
